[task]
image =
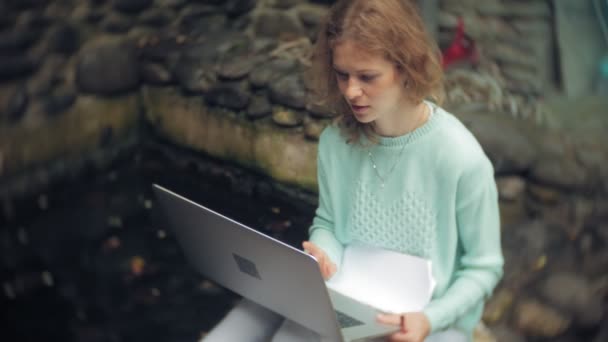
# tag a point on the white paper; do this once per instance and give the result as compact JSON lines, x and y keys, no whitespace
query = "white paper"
{"x":389,"y":281}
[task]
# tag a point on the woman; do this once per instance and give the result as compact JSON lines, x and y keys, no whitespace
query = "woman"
{"x":398,"y":172}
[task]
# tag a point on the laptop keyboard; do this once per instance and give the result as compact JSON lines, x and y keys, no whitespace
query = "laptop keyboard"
{"x":346,"y":321}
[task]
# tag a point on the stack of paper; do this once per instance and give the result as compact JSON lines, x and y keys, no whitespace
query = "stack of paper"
{"x":389,"y":281}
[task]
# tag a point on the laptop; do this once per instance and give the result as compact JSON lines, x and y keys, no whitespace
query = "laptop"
{"x":267,"y":271}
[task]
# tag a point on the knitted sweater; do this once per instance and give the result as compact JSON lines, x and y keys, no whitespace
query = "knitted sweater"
{"x":439,"y":202}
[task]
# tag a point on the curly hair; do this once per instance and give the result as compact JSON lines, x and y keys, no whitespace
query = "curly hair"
{"x":392,"y":28}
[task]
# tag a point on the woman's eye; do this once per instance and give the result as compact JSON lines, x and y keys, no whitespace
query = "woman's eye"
{"x":367,"y":78}
{"x":341,"y":76}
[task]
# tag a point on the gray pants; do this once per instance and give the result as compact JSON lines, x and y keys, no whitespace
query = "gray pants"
{"x":249,"y":321}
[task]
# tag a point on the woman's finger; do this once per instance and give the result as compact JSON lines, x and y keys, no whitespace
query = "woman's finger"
{"x":324,"y":270}
{"x":315,"y":252}
{"x":389,"y":319}
{"x":399,"y":337}
{"x":325,"y":265}
{"x":312,"y":248}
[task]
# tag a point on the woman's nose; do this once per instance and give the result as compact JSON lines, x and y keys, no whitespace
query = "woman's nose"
{"x":353,"y":90}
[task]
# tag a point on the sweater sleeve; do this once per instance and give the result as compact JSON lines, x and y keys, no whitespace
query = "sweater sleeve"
{"x":322,"y":231}
{"x":481,"y":261}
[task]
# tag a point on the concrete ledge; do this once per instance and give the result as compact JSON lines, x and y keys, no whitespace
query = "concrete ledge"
{"x":92,"y":122}
{"x":283,"y":154}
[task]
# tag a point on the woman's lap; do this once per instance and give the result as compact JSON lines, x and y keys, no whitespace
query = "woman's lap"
{"x":249,"y":321}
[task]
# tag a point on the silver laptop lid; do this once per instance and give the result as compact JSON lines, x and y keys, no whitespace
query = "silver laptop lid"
{"x":254,"y":265}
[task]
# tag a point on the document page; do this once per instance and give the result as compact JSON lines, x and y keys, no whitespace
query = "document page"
{"x":389,"y":281}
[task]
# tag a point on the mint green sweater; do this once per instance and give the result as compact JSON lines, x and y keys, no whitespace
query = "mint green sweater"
{"x":440,"y":202}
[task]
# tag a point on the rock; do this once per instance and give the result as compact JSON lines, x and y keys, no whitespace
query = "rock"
{"x":462,"y":6}
{"x":603,"y":334}
{"x":498,"y":306}
{"x":539,"y":320}
{"x":506,"y":334}
{"x":271,"y":71}
{"x":531,"y":237}
{"x":512,"y":54}
{"x":535,"y":9}
{"x":59,"y":101}
{"x":64,"y":39}
{"x":510,"y":188}
{"x":203,"y":24}
{"x":532,"y":27}
{"x":573,"y":293}
{"x":198,"y":10}
{"x":482,"y":334}
{"x":14,"y":66}
{"x":289,"y":91}
{"x":7,"y":20}
{"x":14,"y":106}
{"x":448,"y":20}
{"x":320,"y":111}
{"x":523,"y":79}
{"x":35,"y":19}
{"x":311,"y":15}
{"x":544,"y":194}
{"x":602,"y":232}
{"x":584,"y":210}
{"x":482,"y":28}
{"x":79,"y":13}
{"x":48,"y":76}
{"x":313,"y":129}
{"x":287,"y":118}
{"x":213,"y":47}
{"x":263,"y":46}
{"x":108,"y":68}
{"x":465,"y":86}
{"x":83,"y":13}
{"x":259,"y":107}
{"x":592,"y":157}
{"x":132,"y":6}
{"x":155,"y":73}
{"x":235,"y":8}
{"x":513,"y":212}
{"x":27,"y":4}
{"x":275,"y":24}
{"x":116,"y":23}
{"x":284,"y":4}
{"x":155,"y":17}
{"x":228,"y":95}
{"x":174,"y":4}
{"x":18,"y":41}
{"x":237,"y":68}
{"x":195,"y":77}
{"x":160,"y":49}
{"x":566,"y":174}
{"x":504,"y":141}
{"x":106,"y":137}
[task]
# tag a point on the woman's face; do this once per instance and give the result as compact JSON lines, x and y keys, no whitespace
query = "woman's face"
{"x":372,"y":85}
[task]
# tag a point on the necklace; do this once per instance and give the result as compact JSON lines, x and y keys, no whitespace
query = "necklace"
{"x":384,"y":178}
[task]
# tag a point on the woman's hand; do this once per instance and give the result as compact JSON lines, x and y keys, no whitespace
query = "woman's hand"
{"x":416,"y":326}
{"x":328,"y":268}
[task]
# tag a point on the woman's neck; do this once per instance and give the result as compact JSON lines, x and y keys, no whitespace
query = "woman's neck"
{"x":403,"y":121}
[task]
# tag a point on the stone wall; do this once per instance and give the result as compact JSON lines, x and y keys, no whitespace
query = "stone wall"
{"x":517,"y":53}
{"x":515,"y":35}
{"x":225,"y":78}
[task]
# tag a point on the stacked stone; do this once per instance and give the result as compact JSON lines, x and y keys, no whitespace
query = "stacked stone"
{"x":516,"y":35}
{"x":515,"y":44}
